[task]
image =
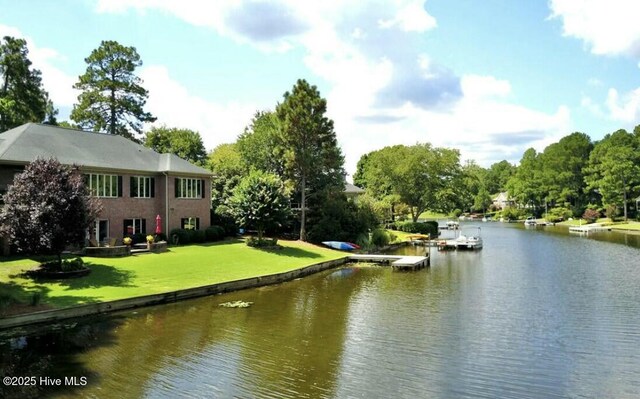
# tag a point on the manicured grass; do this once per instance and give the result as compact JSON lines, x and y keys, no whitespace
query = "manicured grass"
{"x":627,"y":226}
{"x":433,"y":215}
{"x":574,"y":222}
{"x":400,"y":235}
{"x":181,"y":267}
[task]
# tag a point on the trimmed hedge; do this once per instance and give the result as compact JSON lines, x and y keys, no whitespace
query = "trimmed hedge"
{"x":180,"y":237}
{"x":214,"y":233}
{"x":196,"y":236}
{"x":184,"y":237}
{"x":429,"y":227}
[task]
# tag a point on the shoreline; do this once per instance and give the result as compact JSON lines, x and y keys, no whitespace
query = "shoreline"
{"x":93,"y":309}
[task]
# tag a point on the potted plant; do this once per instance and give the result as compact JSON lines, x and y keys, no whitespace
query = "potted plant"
{"x":150,"y":240}
{"x":127,"y":241}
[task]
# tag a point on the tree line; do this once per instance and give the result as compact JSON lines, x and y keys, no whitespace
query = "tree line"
{"x":570,"y":178}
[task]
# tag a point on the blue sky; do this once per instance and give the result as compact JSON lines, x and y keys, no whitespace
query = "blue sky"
{"x":490,"y":78}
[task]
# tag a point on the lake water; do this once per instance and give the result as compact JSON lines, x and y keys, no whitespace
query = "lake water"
{"x":537,"y":313}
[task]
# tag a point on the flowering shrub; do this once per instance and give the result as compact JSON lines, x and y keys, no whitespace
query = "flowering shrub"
{"x":149,"y":238}
{"x":127,"y":240}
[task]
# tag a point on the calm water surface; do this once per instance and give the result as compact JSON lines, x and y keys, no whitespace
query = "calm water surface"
{"x":535,"y":314}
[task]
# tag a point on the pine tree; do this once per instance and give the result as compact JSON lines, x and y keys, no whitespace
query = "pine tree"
{"x":112,"y":97}
{"x":22,"y":97}
{"x":308,"y":145}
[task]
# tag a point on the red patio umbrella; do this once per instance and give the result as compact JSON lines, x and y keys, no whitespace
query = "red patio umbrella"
{"x":158,"y":224}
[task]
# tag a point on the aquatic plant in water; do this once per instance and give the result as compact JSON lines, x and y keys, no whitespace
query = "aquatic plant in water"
{"x":236,"y":304}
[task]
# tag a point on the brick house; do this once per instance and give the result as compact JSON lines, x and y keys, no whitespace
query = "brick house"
{"x":134,"y":183}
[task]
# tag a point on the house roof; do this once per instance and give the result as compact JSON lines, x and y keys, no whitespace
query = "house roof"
{"x":503,"y":196}
{"x":27,"y":142}
{"x":352,"y":189}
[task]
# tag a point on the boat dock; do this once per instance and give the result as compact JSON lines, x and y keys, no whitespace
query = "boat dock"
{"x":588,"y":228}
{"x":445,"y":245}
{"x":397,"y":262}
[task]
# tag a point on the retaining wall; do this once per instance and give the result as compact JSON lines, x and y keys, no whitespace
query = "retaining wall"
{"x":52,"y":316}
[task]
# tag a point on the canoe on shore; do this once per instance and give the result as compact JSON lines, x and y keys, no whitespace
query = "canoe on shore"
{"x":342,"y":245}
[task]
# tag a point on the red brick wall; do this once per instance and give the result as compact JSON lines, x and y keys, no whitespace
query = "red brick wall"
{"x":187,"y":207}
{"x":116,"y":210}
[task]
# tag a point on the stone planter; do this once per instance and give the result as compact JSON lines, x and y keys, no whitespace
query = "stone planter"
{"x":108,"y":252}
{"x":158,"y":247}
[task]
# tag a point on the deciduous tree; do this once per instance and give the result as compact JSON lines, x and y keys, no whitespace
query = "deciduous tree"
{"x":614,"y":168}
{"x":562,"y":166}
{"x":526,"y":184}
{"x":184,"y":143}
{"x":259,"y":143}
{"x":48,"y":208}
{"x":260,"y":202}
{"x":112,"y":97}
{"x":228,"y":169}
{"x":421,"y":176}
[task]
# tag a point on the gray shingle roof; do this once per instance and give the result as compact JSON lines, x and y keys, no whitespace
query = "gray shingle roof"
{"x":25,"y":143}
{"x":352,"y":189}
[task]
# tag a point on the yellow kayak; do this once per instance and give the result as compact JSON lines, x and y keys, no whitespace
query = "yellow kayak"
{"x":418,"y":237}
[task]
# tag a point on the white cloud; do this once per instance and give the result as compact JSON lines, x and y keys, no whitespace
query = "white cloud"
{"x":625,"y":109}
{"x":483,"y":125}
{"x":608,"y":27}
{"x":595,"y":109}
{"x":174,"y":106}
{"x":58,"y":83}
{"x":478,"y":87}
{"x":354,"y":47}
{"x":412,"y":17}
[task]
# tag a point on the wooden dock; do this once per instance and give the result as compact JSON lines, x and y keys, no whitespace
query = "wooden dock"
{"x":397,"y":262}
{"x":588,"y":228}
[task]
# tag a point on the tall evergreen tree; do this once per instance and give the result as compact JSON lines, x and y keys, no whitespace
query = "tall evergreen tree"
{"x":112,"y":97}
{"x":22,"y":96}
{"x":308,"y":145}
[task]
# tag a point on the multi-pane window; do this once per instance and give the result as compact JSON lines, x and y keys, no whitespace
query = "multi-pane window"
{"x":142,"y":187}
{"x":190,"y":223}
{"x":135,"y":226}
{"x":103,"y":185}
{"x":189,"y":188}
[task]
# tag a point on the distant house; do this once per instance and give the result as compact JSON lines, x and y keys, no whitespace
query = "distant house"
{"x":352,"y":191}
{"x":133,"y":182}
{"x":502,"y":200}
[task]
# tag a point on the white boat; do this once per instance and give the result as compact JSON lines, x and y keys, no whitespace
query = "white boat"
{"x":453,"y":225}
{"x":530,"y":221}
{"x":466,"y":240}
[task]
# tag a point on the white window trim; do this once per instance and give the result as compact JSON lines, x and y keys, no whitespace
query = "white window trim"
{"x":190,"y":188}
{"x":143,"y":180}
{"x":113,"y":186}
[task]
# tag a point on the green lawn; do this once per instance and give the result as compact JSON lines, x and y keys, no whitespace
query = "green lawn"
{"x":180,"y":267}
{"x":627,"y":226}
{"x":400,"y":235}
{"x":433,"y":215}
{"x":574,"y":222}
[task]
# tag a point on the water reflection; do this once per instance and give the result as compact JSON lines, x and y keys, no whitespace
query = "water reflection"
{"x":534,"y":314}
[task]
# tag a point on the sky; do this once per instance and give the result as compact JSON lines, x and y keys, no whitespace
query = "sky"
{"x":490,"y":78}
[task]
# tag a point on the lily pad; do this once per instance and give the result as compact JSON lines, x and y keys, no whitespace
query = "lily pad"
{"x":236,"y":304}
